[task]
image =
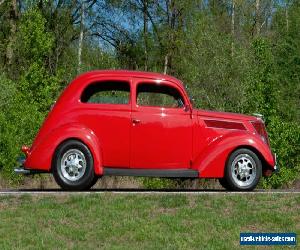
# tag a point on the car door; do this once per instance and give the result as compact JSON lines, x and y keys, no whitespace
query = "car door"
{"x":161,"y":126}
{"x":106,"y":111}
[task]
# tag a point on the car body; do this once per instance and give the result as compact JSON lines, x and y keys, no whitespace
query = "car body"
{"x":144,"y":124}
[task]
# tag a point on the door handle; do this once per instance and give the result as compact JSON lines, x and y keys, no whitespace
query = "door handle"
{"x":136,"y":121}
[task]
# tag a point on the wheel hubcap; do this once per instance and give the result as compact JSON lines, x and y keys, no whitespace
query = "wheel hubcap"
{"x":243,"y":170}
{"x":73,"y":165}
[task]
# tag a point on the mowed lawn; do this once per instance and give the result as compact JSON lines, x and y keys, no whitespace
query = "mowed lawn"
{"x":143,"y":221}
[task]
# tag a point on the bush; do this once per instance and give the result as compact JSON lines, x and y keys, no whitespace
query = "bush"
{"x":285,"y":142}
{"x":26,"y":101}
{"x":19,"y":122}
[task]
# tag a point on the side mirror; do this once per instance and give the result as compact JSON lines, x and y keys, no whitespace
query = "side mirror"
{"x":187,"y":108}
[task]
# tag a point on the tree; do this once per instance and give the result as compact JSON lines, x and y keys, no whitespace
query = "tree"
{"x":82,"y":14}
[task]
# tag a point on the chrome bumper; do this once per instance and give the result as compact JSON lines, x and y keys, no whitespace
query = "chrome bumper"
{"x":21,"y":170}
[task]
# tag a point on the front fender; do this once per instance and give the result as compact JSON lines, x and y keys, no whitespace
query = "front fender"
{"x":212,"y":160}
{"x":40,"y":157}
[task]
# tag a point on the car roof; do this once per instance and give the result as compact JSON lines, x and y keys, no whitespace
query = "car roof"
{"x":130,"y":73}
{"x":75,"y":87}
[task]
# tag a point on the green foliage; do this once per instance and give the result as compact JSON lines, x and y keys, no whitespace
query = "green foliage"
{"x":19,"y":122}
{"x":215,"y":78}
{"x":263,"y":87}
{"x":26,"y":102}
{"x":34,"y":42}
{"x":287,"y":53}
{"x":38,"y":87}
{"x":285,"y":142}
{"x":95,"y":58}
{"x":8,"y":89}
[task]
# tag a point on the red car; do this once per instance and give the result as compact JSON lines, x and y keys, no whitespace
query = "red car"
{"x":143,"y":124}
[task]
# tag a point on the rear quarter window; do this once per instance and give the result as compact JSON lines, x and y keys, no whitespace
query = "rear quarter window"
{"x":107,"y":92}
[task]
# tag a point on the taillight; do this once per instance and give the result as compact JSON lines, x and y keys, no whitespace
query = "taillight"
{"x":25,"y":149}
{"x":260,"y":128}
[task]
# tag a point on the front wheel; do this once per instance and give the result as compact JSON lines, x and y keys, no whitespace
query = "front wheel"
{"x":73,"y":166}
{"x":243,"y":170}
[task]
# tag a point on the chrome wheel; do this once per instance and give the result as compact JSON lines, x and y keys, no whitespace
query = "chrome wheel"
{"x":73,"y":165}
{"x":243,"y":170}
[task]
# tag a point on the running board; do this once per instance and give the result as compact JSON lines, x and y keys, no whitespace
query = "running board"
{"x":170,"y":173}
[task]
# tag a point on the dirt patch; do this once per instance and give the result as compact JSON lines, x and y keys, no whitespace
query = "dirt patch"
{"x":11,"y":203}
{"x":296,"y":184}
{"x":193,"y":184}
{"x":112,"y":182}
{"x":3,"y":183}
{"x":42,"y":182}
{"x":250,"y":228}
{"x":46,"y":181}
{"x":171,"y":211}
{"x":192,"y":201}
{"x":164,"y":211}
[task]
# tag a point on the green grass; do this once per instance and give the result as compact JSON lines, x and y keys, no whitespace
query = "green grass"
{"x":141,"y":221}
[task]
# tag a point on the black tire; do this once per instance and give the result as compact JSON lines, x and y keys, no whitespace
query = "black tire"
{"x":224,"y":184}
{"x":88,"y":178}
{"x":94,"y":181}
{"x":247,"y":157}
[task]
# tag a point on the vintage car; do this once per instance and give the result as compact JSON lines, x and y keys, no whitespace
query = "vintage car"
{"x":129,"y":123}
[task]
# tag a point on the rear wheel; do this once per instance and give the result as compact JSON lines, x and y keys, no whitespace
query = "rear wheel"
{"x":243,"y":170}
{"x":73,"y":166}
{"x":94,"y":180}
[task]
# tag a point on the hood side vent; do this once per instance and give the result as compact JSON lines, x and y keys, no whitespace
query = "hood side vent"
{"x":224,"y":124}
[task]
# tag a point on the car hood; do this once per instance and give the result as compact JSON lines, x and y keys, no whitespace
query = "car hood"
{"x":225,"y":115}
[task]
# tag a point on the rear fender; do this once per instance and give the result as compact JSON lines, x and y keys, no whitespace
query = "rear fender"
{"x":41,"y":155}
{"x":211,"y":162}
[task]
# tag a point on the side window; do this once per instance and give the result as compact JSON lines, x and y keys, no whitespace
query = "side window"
{"x":107,"y":92}
{"x":149,"y":94}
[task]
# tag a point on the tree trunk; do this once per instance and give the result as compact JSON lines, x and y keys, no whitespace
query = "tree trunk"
{"x":257,"y":17}
{"x":145,"y":6}
{"x":232,"y":25}
{"x":80,"y":42}
{"x":287,"y":17}
{"x":166,"y":64}
{"x":170,"y":46}
{"x":13,"y":16}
